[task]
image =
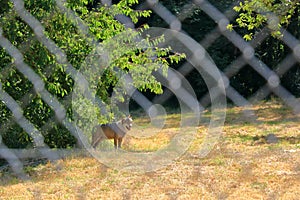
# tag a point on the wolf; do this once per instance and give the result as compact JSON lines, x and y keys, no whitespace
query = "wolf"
{"x":116,"y":130}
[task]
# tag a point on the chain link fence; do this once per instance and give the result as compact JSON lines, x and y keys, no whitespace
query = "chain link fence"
{"x":218,"y":83}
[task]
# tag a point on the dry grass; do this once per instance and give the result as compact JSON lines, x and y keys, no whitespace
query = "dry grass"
{"x":243,"y":165}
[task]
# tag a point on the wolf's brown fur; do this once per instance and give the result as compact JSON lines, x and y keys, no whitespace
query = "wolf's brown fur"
{"x":114,"y":131}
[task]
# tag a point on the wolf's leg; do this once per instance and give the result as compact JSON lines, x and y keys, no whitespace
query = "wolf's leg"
{"x":96,"y":142}
{"x":120,"y":142}
{"x":96,"y":138}
{"x":115,"y":142}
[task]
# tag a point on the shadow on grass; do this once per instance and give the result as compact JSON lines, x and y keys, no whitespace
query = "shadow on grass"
{"x":265,"y":139}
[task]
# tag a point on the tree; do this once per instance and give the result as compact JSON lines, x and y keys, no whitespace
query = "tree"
{"x":278,"y":16}
{"x":138,"y":62}
{"x":275,"y":14}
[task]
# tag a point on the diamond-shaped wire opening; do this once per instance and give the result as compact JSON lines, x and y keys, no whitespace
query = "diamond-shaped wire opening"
{"x":291,"y":80}
{"x":243,"y":83}
{"x":223,"y":52}
{"x":272,"y":55}
{"x":16,"y":138}
{"x":16,"y":84}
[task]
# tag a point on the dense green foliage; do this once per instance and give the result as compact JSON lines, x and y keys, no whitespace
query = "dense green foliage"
{"x":126,"y":55}
{"x":256,"y":14}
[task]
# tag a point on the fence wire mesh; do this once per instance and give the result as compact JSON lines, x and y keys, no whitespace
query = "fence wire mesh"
{"x":218,"y":82}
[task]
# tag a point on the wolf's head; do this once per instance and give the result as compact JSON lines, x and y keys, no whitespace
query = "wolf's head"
{"x":127,"y":122}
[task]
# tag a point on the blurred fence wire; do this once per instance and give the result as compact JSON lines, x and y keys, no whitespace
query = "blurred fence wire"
{"x":174,"y":20}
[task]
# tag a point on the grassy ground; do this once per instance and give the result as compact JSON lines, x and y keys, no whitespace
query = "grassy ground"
{"x":245,"y":164}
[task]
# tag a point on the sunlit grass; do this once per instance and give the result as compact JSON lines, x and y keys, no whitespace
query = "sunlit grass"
{"x":242,"y":164}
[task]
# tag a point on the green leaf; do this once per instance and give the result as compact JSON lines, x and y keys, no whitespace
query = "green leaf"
{"x":247,"y":37}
